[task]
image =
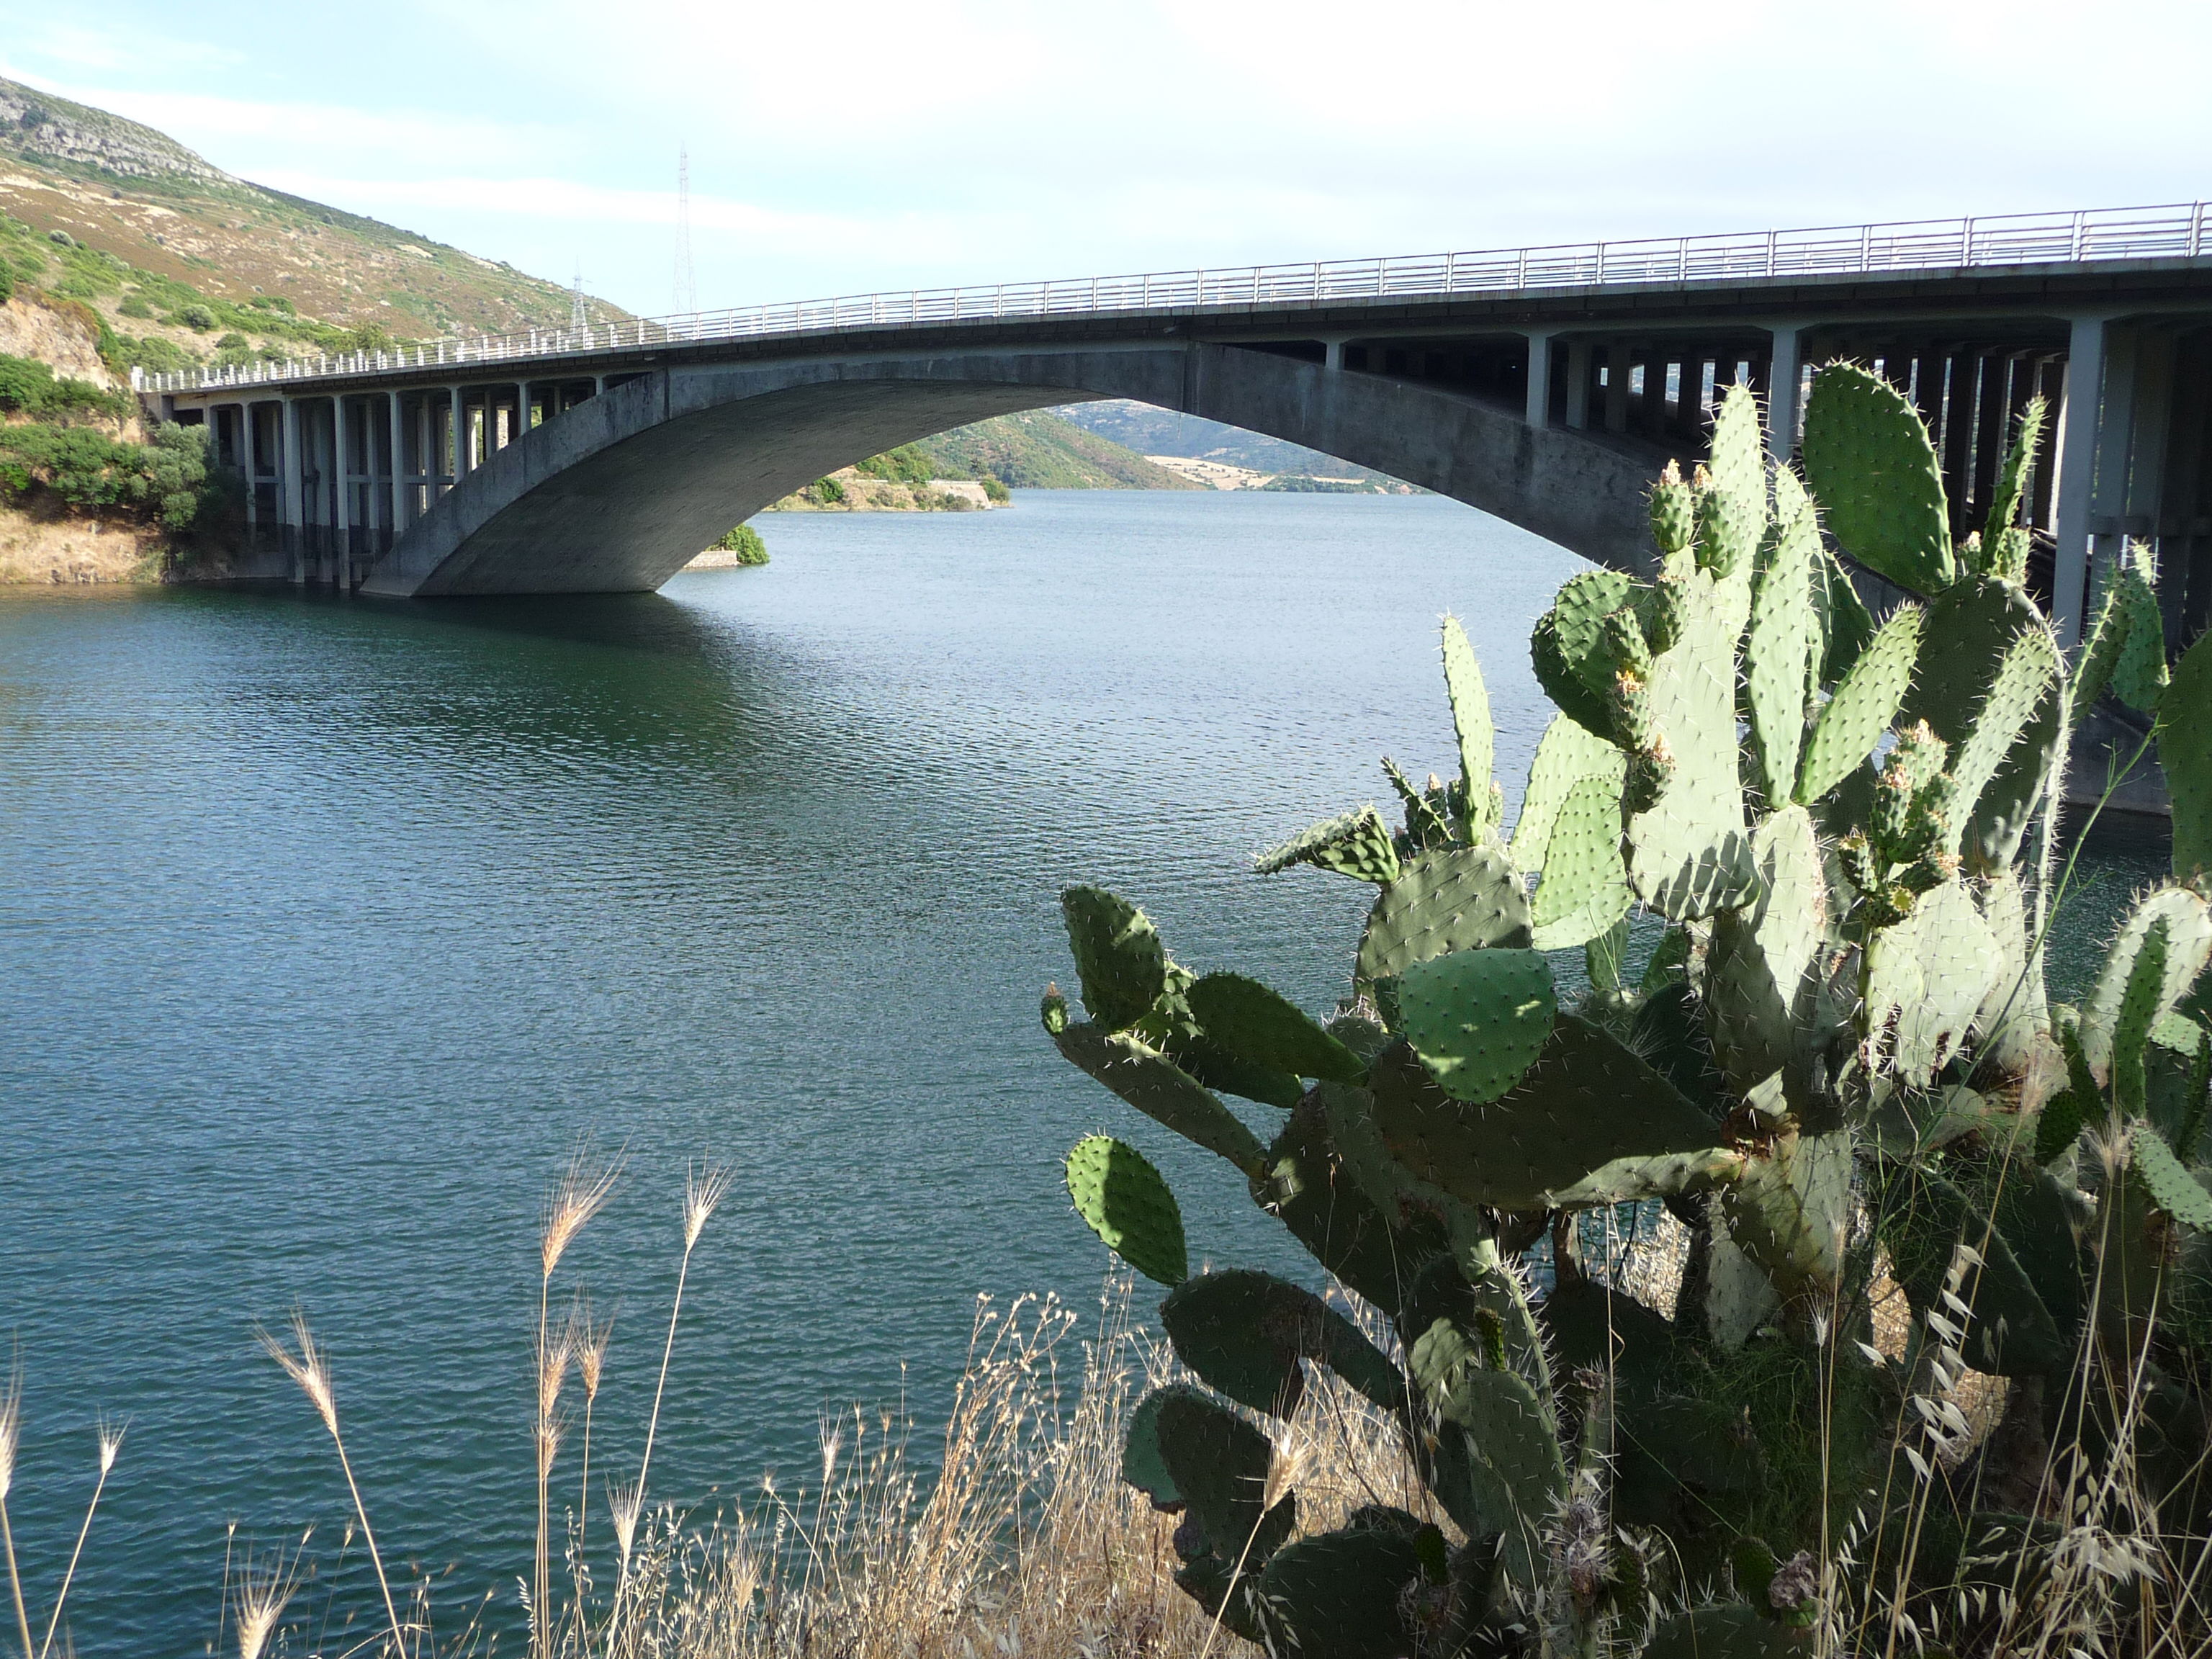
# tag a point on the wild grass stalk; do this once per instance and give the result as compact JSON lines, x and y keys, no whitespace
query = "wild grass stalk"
{"x":111,"y":1443}
{"x":577,"y":1196}
{"x":310,"y":1369}
{"x":703,"y":1190}
{"x":11,"y":1429}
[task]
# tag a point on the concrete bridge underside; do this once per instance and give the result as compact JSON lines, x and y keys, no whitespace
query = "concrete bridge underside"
{"x":620,"y":492}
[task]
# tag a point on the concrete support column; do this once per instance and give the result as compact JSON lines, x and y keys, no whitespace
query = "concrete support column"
{"x":252,"y":464}
{"x":521,"y":410}
{"x":2116,"y":421}
{"x":1332,"y":353}
{"x":295,"y":489}
{"x":1539,"y":411}
{"x":461,"y":435}
{"x":398,"y":468}
{"x":342,"y":514}
{"x":2078,"y":425}
{"x":1784,"y":409}
{"x":1616,"y":370}
{"x":1578,"y":385}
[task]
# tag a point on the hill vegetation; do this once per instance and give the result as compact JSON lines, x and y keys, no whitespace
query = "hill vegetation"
{"x":1042,"y":450}
{"x":161,"y":244}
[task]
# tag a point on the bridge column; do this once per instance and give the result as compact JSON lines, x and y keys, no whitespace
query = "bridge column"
{"x":461,"y":435}
{"x":1332,"y":352}
{"x":295,"y":491}
{"x":250,"y":463}
{"x":1539,"y":411}
{"x":1785,"y":388}
{"x":398,"y":467}
{"x":1578,"y":385}
{"x":1616,"y":371}
{"x":2078,"y":429}
{"x":342,"y":518}
{"x":521,"y":410}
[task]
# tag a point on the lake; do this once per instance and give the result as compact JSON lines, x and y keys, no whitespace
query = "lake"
{"x":326,"y":927}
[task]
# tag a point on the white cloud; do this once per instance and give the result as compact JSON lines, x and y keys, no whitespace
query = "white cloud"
{"x":878,"y":146}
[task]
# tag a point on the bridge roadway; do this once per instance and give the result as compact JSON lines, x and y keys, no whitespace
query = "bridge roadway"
{"x":1543,"y":386}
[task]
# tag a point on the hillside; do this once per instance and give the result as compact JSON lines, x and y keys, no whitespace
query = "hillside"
{"x":1150,"y":431}
{"x":1041,"y":450}
{"x":109,"y":212}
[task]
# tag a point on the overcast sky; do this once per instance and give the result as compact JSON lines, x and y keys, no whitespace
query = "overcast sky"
{"x":863,"y":145}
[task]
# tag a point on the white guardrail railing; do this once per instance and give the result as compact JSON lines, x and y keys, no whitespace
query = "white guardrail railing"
{"x":2173,"y":231}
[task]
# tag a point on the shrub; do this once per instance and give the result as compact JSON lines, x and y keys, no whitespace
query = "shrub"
{"x":746,"y":542}
{"x":135,"y":305}
{"x":7,"y":281}
{"x":232,"y":341}
{"x":30,"y":387}
{"x":168,"y":482}
{"x":827,"y":491}
{"x":161,"y":356}
{"x":198,"y":318}
{"x":996,"y":491}
{"x":906,"y":464}
{"x":1902,"y":1184}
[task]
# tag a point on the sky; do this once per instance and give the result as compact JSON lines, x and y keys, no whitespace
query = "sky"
{"x":871,"y":146}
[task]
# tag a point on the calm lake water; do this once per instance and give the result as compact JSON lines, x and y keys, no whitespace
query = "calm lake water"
{"x":325,"y":928}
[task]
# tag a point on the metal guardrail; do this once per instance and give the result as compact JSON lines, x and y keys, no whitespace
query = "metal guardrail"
{"x":2173,"y":231}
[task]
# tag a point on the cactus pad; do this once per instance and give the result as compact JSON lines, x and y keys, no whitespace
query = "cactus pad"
{"x":1504,"y":1461}
{"x":1118,"y":955}
{"x":2026,"y":686}
{"x":1967,"y":643}
{"x":2139,"y":674}
{"x":1568,"y":752}
{"x":1791,"y":1211}
{"x":1564,"y":648}
{"x":1862,"y":708}
{"x":1688,"y":853}
{"x":1590,"y":1118}
{"x":1357,"y":844}
{"x":1584,"y":891}
{"x":1759,"y":961}
{"x":1126,"y":1202}
{"x":2185,"y":752}
{"x":1464,"y":899}
{"x":2188,"y":941}
{"x":1875,"y":475}
{"x":1780,"y":658}
{"x":1219,"y":1464}
{"x":1478,"y":1019}
{"x":1924,"y":1219}
{"x":1478,"y":738}
{"x":1263,"y":1029}
{"x":2167,"y":1179}
{"x":1243,"y":1333}
{"x":1735,"y":497}
{"x":1162,"y":1090}
{"x":1735,"y":1630}
{"x":1926,"y":978}
{"x":2004,"y":504}
{"x":1348,"y":1594}
{"x":1142,"y":1466}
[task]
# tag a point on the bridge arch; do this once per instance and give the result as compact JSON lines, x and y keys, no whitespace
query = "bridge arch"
{"x":621,"y":492}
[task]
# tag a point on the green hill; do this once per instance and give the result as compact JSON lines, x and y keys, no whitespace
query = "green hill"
{"x":166,"y":246}
{"x":1040,"y":450}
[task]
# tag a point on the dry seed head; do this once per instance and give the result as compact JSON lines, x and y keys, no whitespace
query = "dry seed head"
{"x":703,"y":1191}
{"x":623,"y":1503}
{"x":549,"y":1446}
{"x":110,"y":1442}
{"x":309,"y":1368}
{"x":11,"y":1425}
{"x":592,"y":1351}
{"x":575,"y":1199}
{"x":553,"y":1368}
{"x":262,"y":1599}
{"x":1287,"y":1459}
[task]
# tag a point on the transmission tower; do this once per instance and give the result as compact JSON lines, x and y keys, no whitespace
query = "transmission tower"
{"x":687,"y":286}
{"x":579,"y":317}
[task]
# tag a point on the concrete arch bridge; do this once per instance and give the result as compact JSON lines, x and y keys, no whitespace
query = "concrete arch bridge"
{"x":1541,"y":384}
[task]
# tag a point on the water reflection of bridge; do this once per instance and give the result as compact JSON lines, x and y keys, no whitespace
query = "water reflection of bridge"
{"x":1541,"y":385}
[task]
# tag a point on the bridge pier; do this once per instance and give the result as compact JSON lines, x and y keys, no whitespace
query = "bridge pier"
{"x":1539,"y":406}
{"x":2079,"y":429}
{"x":295,"y":489}
{"x":1785,"y":393}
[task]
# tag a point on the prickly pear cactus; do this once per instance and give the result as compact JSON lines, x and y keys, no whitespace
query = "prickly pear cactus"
{"x":1836,"y":1073}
